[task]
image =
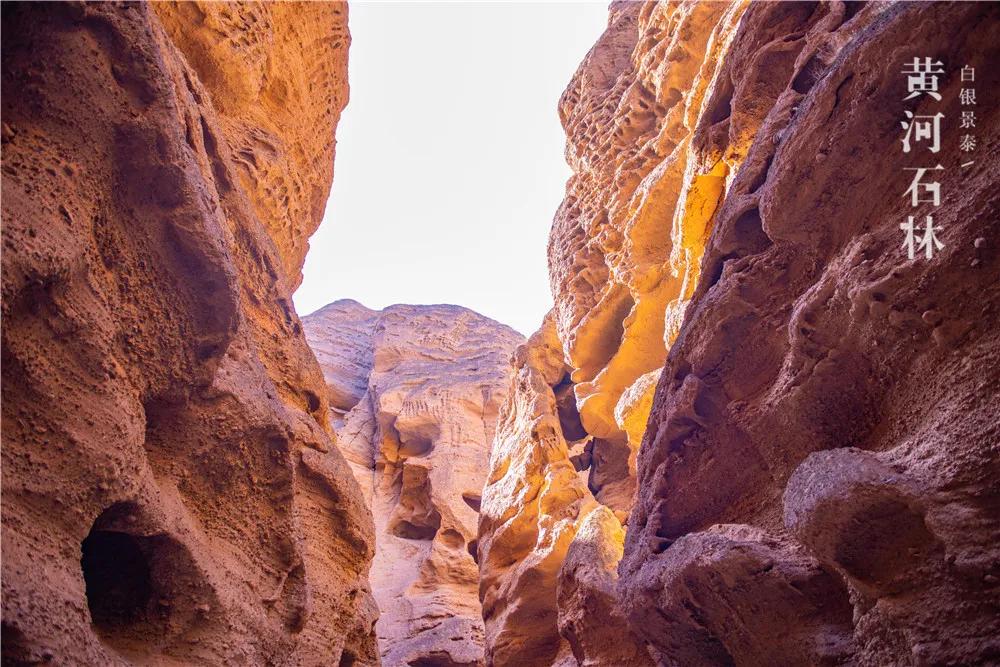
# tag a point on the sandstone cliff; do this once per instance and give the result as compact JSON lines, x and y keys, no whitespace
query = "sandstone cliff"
{"x":170,"y":493}
{"x":414,"y":393}
{"x":814,"y":483}
{"x":824,"y":434}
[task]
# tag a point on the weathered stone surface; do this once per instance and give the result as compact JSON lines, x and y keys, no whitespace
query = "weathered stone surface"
{"x":522,"y":543}
{"x":624,"y":253}
{"x":590,"y":617}
{"x":170,"y":493}
{"x":415,"y":392}
{"x":277,"y":76}
{"x":729,"y":203}
{"x":825,"y":391}
{"x":621,"y":270}
{"x":534,"y":504}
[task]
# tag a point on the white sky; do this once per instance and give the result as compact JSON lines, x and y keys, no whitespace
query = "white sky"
{"x":450,"y":160}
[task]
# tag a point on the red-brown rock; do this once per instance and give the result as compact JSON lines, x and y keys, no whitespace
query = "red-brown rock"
{"x":832,"y":397}
{"x":170,"y":493}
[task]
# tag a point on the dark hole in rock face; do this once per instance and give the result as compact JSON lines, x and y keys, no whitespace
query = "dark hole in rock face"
{"x":415,"y":517}
{"x":312,"y":401}
{"x":473,"y":500}
{"x":474,"y":550}
{"x":452,"y":538}
{"x":851,"y":8}
{"x":117,"y":576}
{"x":722,"y":102}
{"x":750,"y":234}
{"x":347,"y":659}
{"x":411,"y":445}
{"x":569,"y":416}
{"x":414,"y":531}
{"x":807,"y":77}
{"x":141,"y":584}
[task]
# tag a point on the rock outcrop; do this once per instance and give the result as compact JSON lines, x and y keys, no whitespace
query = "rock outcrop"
{"x":813,"y":485}
{"x":829,"y":398}
{"x":170,"y":492}
{"x":535,"y":505}
{"x":414,"y":393}
{"x":751,"y":431}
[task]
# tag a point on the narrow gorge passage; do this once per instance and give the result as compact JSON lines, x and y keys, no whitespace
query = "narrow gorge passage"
{"x":758,"y":425}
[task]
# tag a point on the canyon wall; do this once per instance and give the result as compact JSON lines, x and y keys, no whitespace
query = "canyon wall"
{"x":171,"y":494}
{"x":814,"y":485}
{"x":414,"y":393}
{"x":824,"y":435}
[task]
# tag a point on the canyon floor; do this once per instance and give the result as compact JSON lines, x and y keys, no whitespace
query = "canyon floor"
{"x":753,"y":429}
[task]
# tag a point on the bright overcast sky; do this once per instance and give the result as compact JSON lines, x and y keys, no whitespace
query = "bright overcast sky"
{"x":450,"y":157}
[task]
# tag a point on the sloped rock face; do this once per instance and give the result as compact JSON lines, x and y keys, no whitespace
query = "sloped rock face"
{"x":624,"y":254}
{"x":277,"y":76}
{"x":736,"y":199}
{"x":414,"y":393}
{"x":547,"y":549}
{"x":626,"y":242}
{"x":170,"y":492}
{"x":823,"y":436}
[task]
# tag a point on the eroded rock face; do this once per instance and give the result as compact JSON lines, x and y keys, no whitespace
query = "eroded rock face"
{"x":545,"y":594}
{"x":826,"y":418}
{"x":277,"y":76}
{"x":736,"y":199}
{"x":626,"y":243}
{"x":414,"y":393}
{"x":170,"y":492}
{"x":624,"y":254}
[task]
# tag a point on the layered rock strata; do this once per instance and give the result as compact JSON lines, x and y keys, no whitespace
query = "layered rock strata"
{"x":728,"y":204}
{"x":414,"y":393}
{"x":170,"y":492}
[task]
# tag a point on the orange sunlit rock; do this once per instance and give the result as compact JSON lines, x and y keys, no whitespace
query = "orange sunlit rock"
{"x":277,"y":75}
{"x":532,"y":503}
{"x":624,"y":254}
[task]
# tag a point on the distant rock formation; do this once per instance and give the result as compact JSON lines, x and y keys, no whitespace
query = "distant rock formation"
{"x":813,"y":485}
{"x":170,"y":490}
{"x":414,"y":394}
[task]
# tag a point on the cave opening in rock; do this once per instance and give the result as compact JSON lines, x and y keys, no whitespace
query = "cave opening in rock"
{"x":473,"y":500}
{"x":118,"y":580}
